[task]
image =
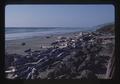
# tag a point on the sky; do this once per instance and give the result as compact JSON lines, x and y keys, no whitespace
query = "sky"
{"x":58,"y":15}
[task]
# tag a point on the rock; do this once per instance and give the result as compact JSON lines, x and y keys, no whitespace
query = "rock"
{"x":47,"y":36}
{"x":23,"y":44}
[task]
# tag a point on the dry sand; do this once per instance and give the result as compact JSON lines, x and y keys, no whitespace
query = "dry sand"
{"x":35,"y":43}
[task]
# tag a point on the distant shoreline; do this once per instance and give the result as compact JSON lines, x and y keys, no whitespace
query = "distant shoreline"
{"x":25,"y":35}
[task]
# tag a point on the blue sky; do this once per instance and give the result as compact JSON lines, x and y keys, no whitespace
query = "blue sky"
{"x":58,"y":15}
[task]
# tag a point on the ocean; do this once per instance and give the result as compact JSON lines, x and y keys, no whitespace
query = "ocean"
{"x":20,"y":33}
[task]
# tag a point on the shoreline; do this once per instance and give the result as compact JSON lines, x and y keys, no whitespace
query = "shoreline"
{"x":26,"y":35}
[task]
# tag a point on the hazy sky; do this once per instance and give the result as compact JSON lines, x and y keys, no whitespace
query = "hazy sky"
{"x":58,"y":15}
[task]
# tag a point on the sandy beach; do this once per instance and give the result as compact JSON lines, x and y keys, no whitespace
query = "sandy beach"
{"x":35,"y":43}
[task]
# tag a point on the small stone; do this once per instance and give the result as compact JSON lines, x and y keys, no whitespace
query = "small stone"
{"x":23,"y":44}
{"x":47,"y":36}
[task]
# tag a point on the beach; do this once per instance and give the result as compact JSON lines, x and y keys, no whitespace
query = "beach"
{"x":60,"y":42}
{"x":63,"y":55}
{"x":87,"y":49}
{"x":35,"y":43}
